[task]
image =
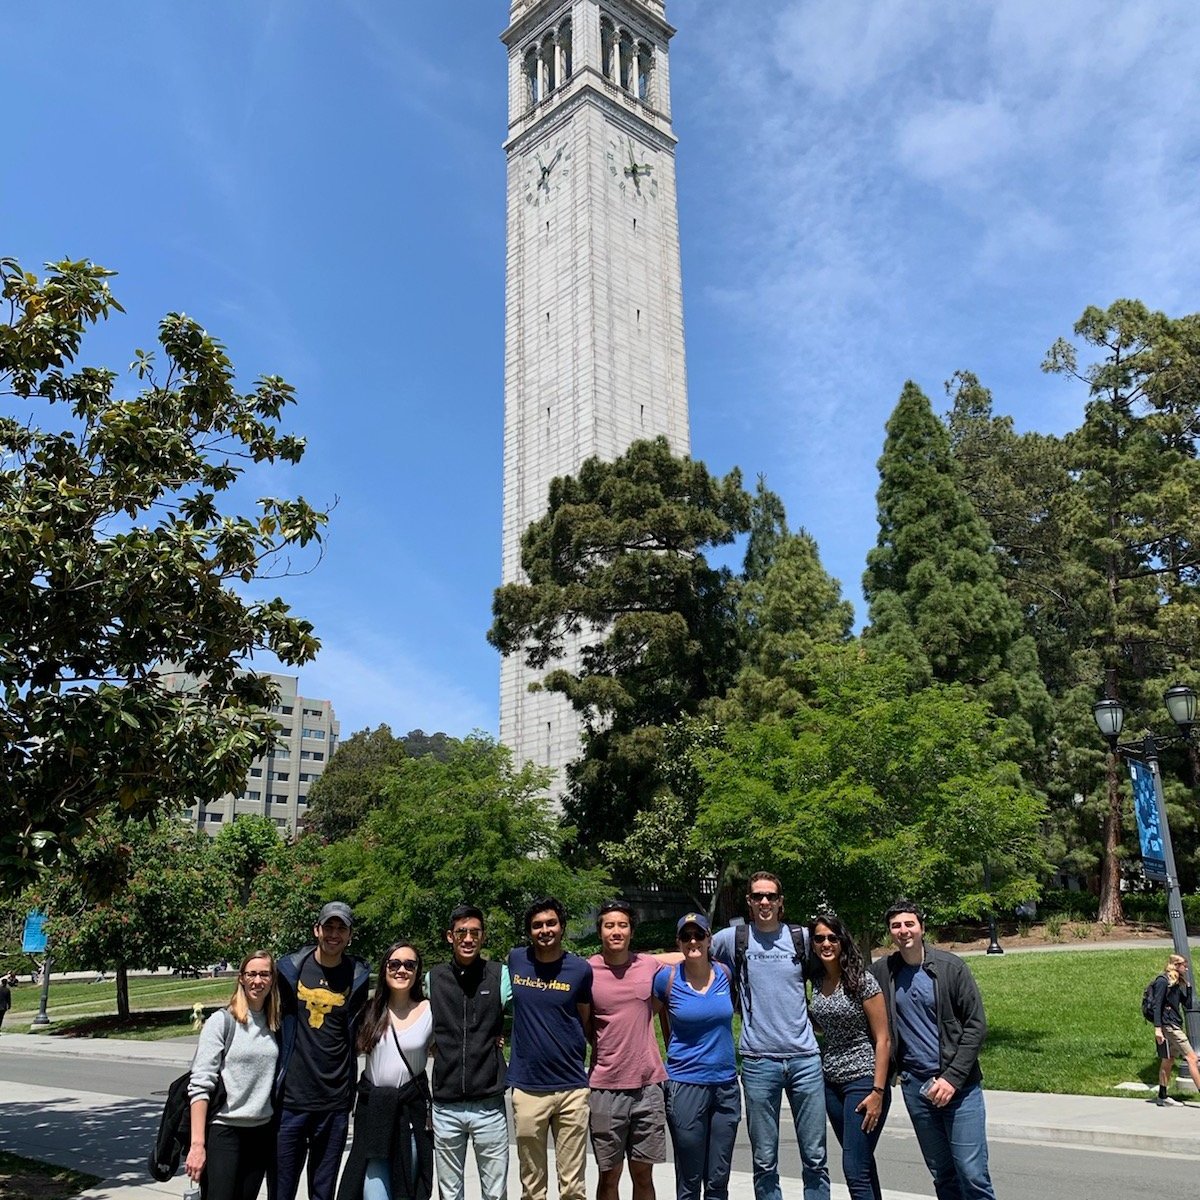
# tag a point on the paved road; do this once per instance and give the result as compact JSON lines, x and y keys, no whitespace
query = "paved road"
{"x":1021,"y":1170}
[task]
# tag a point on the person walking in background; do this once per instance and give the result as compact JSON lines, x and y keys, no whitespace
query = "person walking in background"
{"x":1171,"y":997}
{"x":552,"y":1010}
{"x":848,"y":1009}
{"x":779,"y":1047}
{"x":392,"y":1151}
{"x":323,"y":992}
{"x":704,"y":1105}
{"x":468,"y":996}
{"x":628,"y":1114}
{"x":5,"y":999}
{"x":937,"y":1025}
{"x":233,"y":1147}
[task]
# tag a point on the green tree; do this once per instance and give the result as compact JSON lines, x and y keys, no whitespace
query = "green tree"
{"x":936,"y":595}
{"x":244,"y":847}
{"x":1133,"y":517}
{"x":115,"y":557}
{"x":352,"y":783}
{"x":795,"y":606}
{"x":468,"y":830}
{"x":872,"y":790}
{"x":619,"y":561}
{"x":282,"y":901}
{"x":163,"y":900}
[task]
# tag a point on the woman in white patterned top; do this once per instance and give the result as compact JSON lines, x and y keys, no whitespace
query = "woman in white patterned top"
{"x":848,"y":1009}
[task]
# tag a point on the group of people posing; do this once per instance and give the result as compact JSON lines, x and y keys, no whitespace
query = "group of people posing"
{"x":277,"y":1067}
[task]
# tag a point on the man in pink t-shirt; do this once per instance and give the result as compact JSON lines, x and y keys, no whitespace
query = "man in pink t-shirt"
{"x":628,"y":1116}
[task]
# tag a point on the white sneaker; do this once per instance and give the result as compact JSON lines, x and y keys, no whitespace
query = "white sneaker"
{"x":1168,"y":1102}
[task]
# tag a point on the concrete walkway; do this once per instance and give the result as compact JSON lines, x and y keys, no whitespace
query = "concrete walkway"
{"x":109,"y":1136}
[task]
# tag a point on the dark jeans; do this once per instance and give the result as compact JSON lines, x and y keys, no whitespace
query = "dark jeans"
{"x":236,"y":1160}
{"x":318,"y":1136}
{"x":953,"y":1140}
{"x":703,"y":1120}
{"x":858,"y":1147}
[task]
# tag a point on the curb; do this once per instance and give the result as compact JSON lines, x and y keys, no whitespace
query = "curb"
{"x":1110,"y":1139}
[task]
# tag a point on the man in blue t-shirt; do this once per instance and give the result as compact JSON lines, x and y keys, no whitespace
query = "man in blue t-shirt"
{"x":552,"y":1010}
{"x":779,"y":1048}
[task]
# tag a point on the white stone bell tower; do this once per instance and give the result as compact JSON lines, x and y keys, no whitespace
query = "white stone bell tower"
{"x":593,"y":347}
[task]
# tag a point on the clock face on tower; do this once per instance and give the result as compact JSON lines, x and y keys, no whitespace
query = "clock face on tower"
{"x":546,"y":169}
{"x":633,"y":167}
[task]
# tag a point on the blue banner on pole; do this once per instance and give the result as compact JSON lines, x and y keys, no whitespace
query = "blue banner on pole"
{"x":1145,"y":805}
{"x":33,"y":940}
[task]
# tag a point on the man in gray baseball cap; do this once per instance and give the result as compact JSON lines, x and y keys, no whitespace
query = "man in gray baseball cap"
{"x":323,"y":991}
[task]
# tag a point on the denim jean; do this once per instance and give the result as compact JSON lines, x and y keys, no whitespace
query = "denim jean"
{"x":703,"y":1120}
{"x":858,"y":1146}
{"x":483,"y":1122}
{"x":319,"y":1137}
{"x":764,"y":1081}
{"x":953,"y":1140}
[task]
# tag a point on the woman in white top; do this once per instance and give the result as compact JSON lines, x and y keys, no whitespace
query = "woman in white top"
{"x":392,"y":1153}
{"x":232,"y":1146}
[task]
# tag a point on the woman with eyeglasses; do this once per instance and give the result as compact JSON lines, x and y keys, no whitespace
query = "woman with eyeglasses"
{"x":704,"y":1104}
{"x":233,"y":1139}
{"x":848,"y":1008}
{"x":392,"y":1152}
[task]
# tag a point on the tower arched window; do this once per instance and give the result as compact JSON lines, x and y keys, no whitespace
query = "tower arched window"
{"x":626,"y":62}
{"x":608,"y":43}
{"x":645,"y":72}
{"x":565,"y":52}
{"x":549,"y":66}
{"x":529,"y":72}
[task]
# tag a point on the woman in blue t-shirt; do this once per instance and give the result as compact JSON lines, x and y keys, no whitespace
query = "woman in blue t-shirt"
{"x":704,"y":1104}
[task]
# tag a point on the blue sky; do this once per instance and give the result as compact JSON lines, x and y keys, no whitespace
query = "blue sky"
{"x":869,"y":191}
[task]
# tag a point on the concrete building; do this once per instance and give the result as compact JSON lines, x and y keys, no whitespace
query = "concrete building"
{"x":277,"y":783}
{"x":594,"y":353}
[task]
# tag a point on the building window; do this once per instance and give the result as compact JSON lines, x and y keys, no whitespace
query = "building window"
{"x":279,"y":799}
{"x":311,"y":712}
{"x":626,"y":62}
{"x":529,"y":72}
{"x":256,"y":772}
{"x":249,"y":795}
{"x":282,"y":752}
{"x":282,"y":775}
{"x":286,"y":731}
{"x":645,"y":72}
{"x":301,"y":799}
{"x":565,"y":51}
{"x":608,"y":42}
{"x":215,"y":818}
{"x":315,"y":733}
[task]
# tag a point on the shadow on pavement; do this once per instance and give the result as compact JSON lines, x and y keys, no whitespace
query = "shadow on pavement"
{"x":112,"y":1140}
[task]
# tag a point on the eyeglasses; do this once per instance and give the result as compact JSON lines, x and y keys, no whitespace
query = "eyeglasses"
{"x":821,"y":938}
{"x":396,"y":965}
{"x":760,"y":897}
{"x":256,"y":974}
{"x":474,"y":933}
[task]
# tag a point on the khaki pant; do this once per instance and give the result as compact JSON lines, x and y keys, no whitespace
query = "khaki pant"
{"x":565,"y":1116}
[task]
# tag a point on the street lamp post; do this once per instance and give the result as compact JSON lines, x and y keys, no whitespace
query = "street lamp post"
{"x":43,"y":1017}
{"x":1109,"y":715}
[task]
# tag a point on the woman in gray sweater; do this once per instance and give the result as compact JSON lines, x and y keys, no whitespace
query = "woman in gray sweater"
{"x":238,"y":1049}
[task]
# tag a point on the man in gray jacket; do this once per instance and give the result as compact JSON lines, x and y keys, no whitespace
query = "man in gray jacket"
{"x":938,"y":1027}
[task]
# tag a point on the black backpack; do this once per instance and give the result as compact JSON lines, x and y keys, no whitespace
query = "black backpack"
{"x":1148,"y":999}
{"x":741,"y":977}
{"x":175,"y":1125}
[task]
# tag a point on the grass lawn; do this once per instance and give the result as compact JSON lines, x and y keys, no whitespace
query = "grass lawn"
{"x":1068,"y":1021}
{"x":71,"y":1001}
{"x":26,"y":1179}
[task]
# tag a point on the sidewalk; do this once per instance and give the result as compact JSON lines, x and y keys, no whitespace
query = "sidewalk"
{"x":110,"y":1136}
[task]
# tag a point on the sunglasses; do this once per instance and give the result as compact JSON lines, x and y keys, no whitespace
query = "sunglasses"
{"x":461,"y":935}
{"x":396,"y":965}
{"x":821,"y":938}
{"x":759,"y":897}
{"x":692,"y":936}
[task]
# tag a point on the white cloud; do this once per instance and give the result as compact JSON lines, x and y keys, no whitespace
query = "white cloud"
{"x":958,"y":143}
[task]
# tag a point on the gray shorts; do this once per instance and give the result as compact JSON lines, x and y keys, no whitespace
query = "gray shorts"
{"x":628,"y":1124}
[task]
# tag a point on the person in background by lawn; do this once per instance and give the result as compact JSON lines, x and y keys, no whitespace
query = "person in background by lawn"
{"x":847,"y":1006}
{"x":1171,"y":997}
{"x":323,"y":990}
{"x":5,"y":999}
{"x":238,"y":1047}
{"x":937,"y":1026}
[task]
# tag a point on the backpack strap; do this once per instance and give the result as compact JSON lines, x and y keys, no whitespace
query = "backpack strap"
{"x":741,"y":976}
{"x":800,"y":944}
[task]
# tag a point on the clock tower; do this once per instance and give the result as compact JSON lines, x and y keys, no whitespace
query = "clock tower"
{"x":593,"y":347}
